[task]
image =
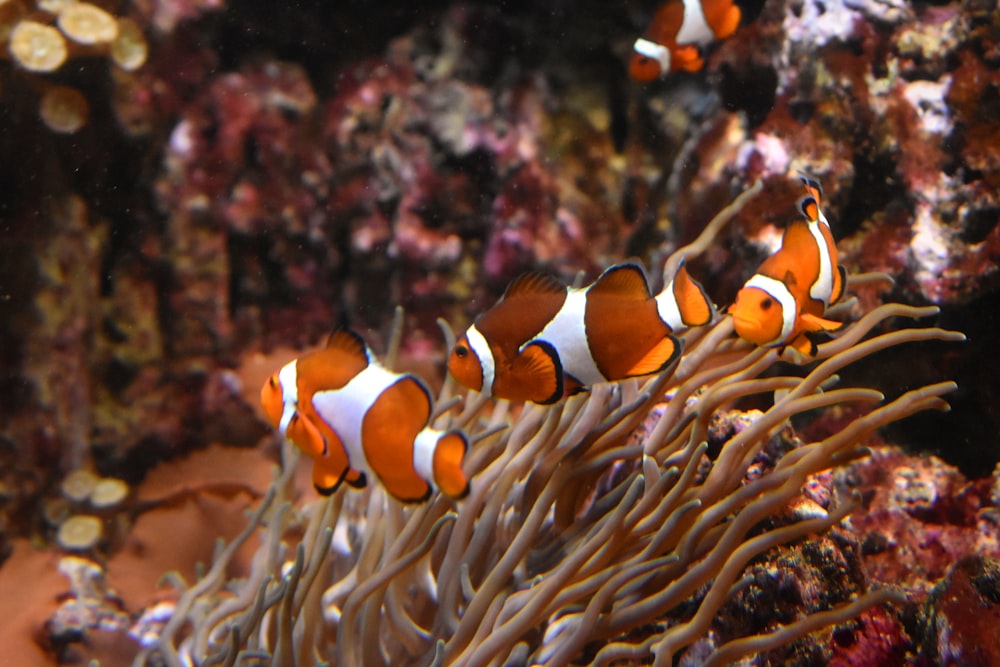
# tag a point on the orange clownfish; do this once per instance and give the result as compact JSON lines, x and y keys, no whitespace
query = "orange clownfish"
{"x":543,"y":341}
{"x":353,"y":416}
{"x":678,"y":32}
{"x":784,"y":302}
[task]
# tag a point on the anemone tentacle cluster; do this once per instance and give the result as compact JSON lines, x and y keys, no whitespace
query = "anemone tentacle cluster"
{"x":597,"y":529}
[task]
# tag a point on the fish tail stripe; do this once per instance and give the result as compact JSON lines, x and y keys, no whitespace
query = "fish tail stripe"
{"x":423,"y":453}
{"x":657,"y":52}
{"x":823,"y":287}
{"x":780,"y":293}
{"x":668,"y":309}
{"x":481,"y":348}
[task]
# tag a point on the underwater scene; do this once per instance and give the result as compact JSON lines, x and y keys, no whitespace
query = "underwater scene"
{"x":653,"y":332}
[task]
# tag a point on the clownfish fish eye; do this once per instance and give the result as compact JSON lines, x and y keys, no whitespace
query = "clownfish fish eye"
{"x":461,"y":351}
{"x":766,"y":303}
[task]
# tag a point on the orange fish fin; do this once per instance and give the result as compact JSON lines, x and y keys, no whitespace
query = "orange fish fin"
{"x":350,"y":342}
{"x":730,"y":22}
{"x":326,"y":476}
{"x":356,"y":479}
{"x":839,"y":285}
{"x":534,"y":283}
{"x":538,"y":367}
{"x":623,"y":281}
{"x":804,"y":344}
{"x":813,"y":188}
{"x":816,"y":323}
{"x":693,"y":303}
{"x":448,"y":457}
{"x":573,"y":386}
{"x":662,"y":355}
{"x":306,"y":436}
{"x":688,"y":58}
{"x":809,"y":208}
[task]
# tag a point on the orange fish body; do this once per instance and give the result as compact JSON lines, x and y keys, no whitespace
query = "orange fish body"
{"x":785,"y":300}
{"x":680,"y":29}
{"x":543,"y":340}
{"x":352,"y":416}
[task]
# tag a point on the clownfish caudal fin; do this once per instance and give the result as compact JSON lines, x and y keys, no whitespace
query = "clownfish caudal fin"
{"x":809,"y":208}
{"x":692,"y":302}
{"x":813,"y":188}
{"x":349,"y":342}
{"x":658,"y":359}
{"x":538,"y":368}
{"x":449,"y":453}
{"x":623,"y":282}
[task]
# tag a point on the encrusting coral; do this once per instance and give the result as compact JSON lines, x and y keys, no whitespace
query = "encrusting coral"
{"x":584,"y":536}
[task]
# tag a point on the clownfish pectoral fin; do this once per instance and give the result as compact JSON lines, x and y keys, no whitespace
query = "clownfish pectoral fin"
{"x":533,"y":284}
{"x":449,"y":454}
{"x":815,"y":323}
{"x":658,"y":359}
{"x":351,"y":343}
{"x":573,"y":386}
{"x":538,"y":368}
{"x":327,"y":476}
{"x":688,"y":58}
{"x":692,"y":302}
{"x":803,"y":344}
{"x":623,"y":282}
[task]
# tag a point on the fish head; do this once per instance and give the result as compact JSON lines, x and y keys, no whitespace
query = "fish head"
{"x":465,"y":366}
{"x":757,"y":316}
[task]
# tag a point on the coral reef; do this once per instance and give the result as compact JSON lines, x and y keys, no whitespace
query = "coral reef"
{"x":217,"y":186}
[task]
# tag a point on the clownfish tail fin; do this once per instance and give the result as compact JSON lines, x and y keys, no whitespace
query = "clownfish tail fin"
{"x":839,"y":286}
{"x":809,"y":208}
{"x":692,"y":301}
{"x":449,"y":454}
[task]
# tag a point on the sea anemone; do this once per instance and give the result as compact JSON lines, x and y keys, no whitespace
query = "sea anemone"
{"x":597,"y":530}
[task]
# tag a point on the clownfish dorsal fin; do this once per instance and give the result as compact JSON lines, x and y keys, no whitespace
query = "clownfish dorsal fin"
{"x":350,"y":342}
{"x":538,"y":366}
{"x":813,"y":188}
{"x":622,"y":281}
{"x":534,"y":283}
{"x":657,"y":359}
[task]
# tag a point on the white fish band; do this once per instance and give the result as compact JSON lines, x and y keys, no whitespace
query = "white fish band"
{"x":423,"y":453}
{"x":822,"y":289}
{"x":346,"y":407}
{"x":567,"y":333}
{"x":288,"y":379}
{"x":481,"y":348}
{"x":669,"y":310}
{"x":779,"y":292}
{"x":657,"y":52}
{"x":694,"y":28}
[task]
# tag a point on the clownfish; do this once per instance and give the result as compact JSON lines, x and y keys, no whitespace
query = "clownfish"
{"x":785,"y":300}
{"x":353,"y":416}
{"x":679,"y":30}
{"x":543,"y":340}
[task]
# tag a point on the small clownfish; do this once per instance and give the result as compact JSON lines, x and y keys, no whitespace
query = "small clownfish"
{"x":679,"y":30}
{"x":543,"y":340}
{"x":784,"y":302}
{"x":353,"y":416}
